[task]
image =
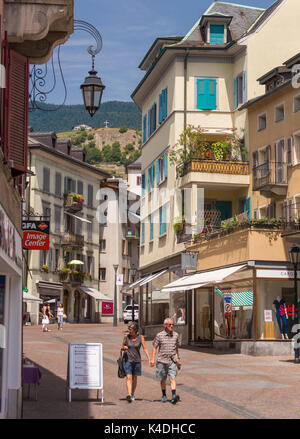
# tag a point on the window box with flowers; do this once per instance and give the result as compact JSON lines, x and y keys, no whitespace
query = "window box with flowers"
{"x":73,"y":202}
{"x":45,"y":268}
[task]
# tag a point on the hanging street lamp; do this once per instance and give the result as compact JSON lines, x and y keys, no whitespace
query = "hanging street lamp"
{"x":92,"y":90}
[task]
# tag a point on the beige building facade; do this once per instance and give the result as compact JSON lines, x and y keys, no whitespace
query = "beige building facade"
{"x":202,"y":79}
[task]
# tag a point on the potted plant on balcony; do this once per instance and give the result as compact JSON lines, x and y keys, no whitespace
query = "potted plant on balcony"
{"x":179,"y":225}
{"x":45,"y":268}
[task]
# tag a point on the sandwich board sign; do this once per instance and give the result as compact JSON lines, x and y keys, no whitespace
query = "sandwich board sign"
{"x":85,"y":367}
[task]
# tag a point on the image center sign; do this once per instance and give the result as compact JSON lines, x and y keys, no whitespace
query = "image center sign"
{"x":36,"y":235}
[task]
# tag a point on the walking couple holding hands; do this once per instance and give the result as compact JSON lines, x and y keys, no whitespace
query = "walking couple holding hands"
{"x":166,"y":344}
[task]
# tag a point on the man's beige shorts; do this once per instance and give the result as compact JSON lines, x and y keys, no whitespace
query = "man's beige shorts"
{"x":163,"y":370}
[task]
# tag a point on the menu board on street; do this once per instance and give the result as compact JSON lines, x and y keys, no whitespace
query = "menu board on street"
{"x":85,"y":368}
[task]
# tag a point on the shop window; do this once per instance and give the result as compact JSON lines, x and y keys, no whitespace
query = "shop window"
{"x":234,"y":312}
{"x":178,"y":308}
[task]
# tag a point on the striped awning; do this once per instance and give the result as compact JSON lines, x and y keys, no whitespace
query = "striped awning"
{"x":244,"y":298}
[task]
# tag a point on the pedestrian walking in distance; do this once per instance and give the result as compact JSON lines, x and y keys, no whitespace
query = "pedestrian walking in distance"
{"x":132,"y":358}
{"x":60,"y":316}
{"x":166,"y":343}
{"x":45,"y":319}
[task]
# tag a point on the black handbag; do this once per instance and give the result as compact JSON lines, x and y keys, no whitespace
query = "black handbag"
{"x":121,"y":371}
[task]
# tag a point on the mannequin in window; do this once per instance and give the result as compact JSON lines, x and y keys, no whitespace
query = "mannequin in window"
{"x":281,"y":315}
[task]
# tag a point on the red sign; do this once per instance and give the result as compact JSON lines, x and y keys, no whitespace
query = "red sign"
{"x":107,"y":308}
{"x":33,"y":237}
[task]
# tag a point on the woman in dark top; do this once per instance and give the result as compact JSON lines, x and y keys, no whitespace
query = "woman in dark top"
{"x":132,"y":358}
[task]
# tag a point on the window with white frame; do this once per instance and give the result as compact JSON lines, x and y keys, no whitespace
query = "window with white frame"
{"x":279,"y":113}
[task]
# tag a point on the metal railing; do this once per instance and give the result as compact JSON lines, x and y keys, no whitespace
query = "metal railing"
{"x":214,"y":166}
{"x":71,"y":239}
{"x":269,"y":173}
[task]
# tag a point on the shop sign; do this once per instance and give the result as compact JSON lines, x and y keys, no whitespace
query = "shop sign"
{"x":227,"y":304}
{"x":36,"y":235}
{"x":189,"y":261}
{"x":268,"y":315}
{"x":107,"y":308}
{"x":10,"y":240}
{"x":119,"y":280}
{"x":276,"y":274}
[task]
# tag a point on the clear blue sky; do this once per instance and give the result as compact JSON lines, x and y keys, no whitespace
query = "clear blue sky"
{"x":128,"y":28}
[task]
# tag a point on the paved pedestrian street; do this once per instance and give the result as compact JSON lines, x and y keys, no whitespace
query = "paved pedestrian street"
{"x":211,"y":385}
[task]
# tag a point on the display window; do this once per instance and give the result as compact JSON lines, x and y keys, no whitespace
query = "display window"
{"x":203,"y":314}
{"x":276,"y":309}
{"x":234,"y":311}
{"x":2,"y":333}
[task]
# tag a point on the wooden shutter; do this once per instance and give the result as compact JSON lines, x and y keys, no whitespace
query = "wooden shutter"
{"x":145,"y":128}
{"x":149,"y":179}
{"x":166,"y":166}
{"x":58,"y":184}
{"x":80,"y":187}
{"x":289,"y":158}
{"x":90,"y":195}
{"x":16,"y":117}
{"x":216,"y":34}
{"x":157,"y":171}
{"x":247,"y":207}
{"x":201,"y":98}
{"x":211,"y":91}
{"x":149,"y":123}
{"x":46,"y":179}
{"x":160,"y":106}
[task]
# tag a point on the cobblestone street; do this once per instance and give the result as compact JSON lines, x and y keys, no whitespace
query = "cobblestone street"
{"x":211,"y":385}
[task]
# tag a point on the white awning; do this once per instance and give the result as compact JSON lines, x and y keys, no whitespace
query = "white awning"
{"x":95,"y":293}
{"x":78,"y":217}
{"x":30,"y":298}
{"x":152,"y":277}
{"x":135,"y":284}
{"x":202,"y":279}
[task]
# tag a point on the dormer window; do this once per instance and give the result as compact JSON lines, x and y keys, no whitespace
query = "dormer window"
{"x":216,"y":34}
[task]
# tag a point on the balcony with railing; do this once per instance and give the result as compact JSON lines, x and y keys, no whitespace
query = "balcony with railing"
{"x":71,"y":276}
{"x":72,"y":240}
{"x":291,"y":221}
{"x":270,"y":179}
{"x":72,"y":202}
{"x":229,"y":173}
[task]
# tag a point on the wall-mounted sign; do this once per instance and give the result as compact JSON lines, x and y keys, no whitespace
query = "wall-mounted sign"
{"x":276,"y":274}
{"x":189,"y":261}
{"x":107,"y":308}
{"x":36,"y":235}
{"x":10,"y":240}
{"x":119,"y":280}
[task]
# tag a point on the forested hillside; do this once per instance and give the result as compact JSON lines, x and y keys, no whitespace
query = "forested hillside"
{"x":117,"y":113}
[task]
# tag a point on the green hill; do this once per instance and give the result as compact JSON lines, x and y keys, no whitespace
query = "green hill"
{"x":117,"y":113}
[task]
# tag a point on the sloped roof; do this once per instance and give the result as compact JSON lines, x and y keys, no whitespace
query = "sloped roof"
{"x":243,"y":17}
{"x":264,"y":16}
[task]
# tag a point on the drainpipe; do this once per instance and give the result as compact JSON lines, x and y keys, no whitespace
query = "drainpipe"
{"x":185,"y":87}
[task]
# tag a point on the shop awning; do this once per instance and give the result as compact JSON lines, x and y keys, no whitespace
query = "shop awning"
{"x":152,"y":277}
{"x":78,"y":217}
{"x":199,"y":280}
{"x":30,"y":298}
{"x":144,"y":280}
{"x":49,"y":288}
{"x":95,"y":293}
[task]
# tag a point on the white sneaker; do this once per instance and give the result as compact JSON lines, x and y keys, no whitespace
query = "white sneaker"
{"x":132,"y":398}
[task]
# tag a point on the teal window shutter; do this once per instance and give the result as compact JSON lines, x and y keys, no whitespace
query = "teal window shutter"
{"x":152,"y":175}
{"x":160,"y":221}
{"x":143,"y":185}
{"x":244,"y":86}
{"x":216,"y":34}
{"x":211,"y":85}
{"x":164,"y":219}
{"x":160,"y":108}
{"x":206,"y":94}
{"x":201,"y":98}
{"x":157,"y":171}
{"x":151,"y":228}
{"x":235,"y":92}
{"x":143,"y":233}
{"x":149,"y":123}
{"x":247,"y":206}
{"x":145,"y":128}
{"x":149,"y":179}
{"x":165,"y":102}
{"x":154,"y":117}
{"x":166,"y":165}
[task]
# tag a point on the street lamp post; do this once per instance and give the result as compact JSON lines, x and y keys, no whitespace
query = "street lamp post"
{"x":133,"y":273}
{"x":294,"y":256}
{"x":115,"y":323}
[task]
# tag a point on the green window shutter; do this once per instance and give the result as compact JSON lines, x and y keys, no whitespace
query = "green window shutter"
{"x":151,"y":228}
{"x":153,"y":118}
{"x":157,"y":171}
{"x":152,"y":175}
{"x":216,"y":34}
{"x":143,"y":233}
{"x":166,"y":103}
{"x":244,"y":86}
{"x":235,"y":91}
{"x":201,"y":98}
{"x":143,"y":185}
{"x":206,"y":94}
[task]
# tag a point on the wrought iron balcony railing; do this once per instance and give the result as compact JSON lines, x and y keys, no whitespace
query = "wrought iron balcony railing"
{"x":269,"y":173}
{"x":72,"y":240}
